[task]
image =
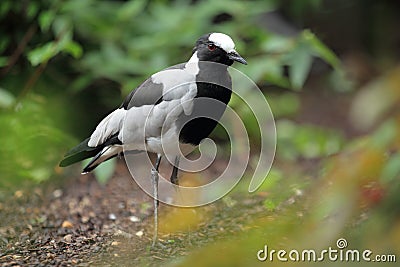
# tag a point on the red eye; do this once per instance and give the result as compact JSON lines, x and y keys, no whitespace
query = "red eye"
{"x":211,"y":47}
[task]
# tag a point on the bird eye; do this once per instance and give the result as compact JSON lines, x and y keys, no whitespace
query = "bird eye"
{"x":211,"y":47}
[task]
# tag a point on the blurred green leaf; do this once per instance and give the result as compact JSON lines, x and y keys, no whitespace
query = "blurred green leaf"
{"x":130,"y":9}
{"x":386,"y":133}
{"x":46,"y":18}
{"x":391,"y":170}
{"x":284,"y":104}
{"x":273,"y":178}
{"x":42,"y":54}
{"x":320,"y":49}
{"x":306,"y":141}
{"x":33,"y":145}
{"x":61,"y":25}
{"x":105,"y":171}
{"x":270,"y":205}
{"x":49,"y":50}
{"x":73,"y":48}
{"x":277,"y":44}
{"x":6,"y":99}
{"x":383,"y":93}
{"x":32,"y":10}
{"x":3,"y":61}
{"x":5,"y":7}
{"x":300,"y":60}
{"x":4,"y":41}
{"x":340,"y":81}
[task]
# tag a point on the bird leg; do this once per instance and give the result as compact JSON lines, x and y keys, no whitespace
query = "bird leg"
{"x":174,"y":175}
{"x":154,"y":179}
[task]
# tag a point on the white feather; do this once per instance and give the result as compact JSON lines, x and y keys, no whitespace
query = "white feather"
{"x":108,"y":126}
{"x":150,"y":127}
{"x":223,"y":41}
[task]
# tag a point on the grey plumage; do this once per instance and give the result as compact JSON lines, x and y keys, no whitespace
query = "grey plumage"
{"x":146,"y":110}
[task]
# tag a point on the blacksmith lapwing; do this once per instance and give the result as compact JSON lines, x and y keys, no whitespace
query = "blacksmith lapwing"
{"x":163,"y":111}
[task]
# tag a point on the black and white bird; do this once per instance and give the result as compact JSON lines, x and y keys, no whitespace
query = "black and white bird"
{"x":162,"y":115}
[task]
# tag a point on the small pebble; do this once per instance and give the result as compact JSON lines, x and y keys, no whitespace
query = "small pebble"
{"x":115,"y":243}
{"x":139,"y":233}
{"x":67,"y":224}
{"x":112,"y":216}
{"x":123,"y":234}
{"x":18,"y":193}
{"x":68,"y":238}
{"x":298,"y":192}
{"x":85,"y":219}
{"x":134,"y":219}
{"x":57,"y":193}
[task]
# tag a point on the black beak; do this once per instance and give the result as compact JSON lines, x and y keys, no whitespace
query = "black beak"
{"x":236,"y":57}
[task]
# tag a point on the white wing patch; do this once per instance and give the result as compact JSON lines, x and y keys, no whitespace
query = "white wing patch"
{"x":108,"y":126}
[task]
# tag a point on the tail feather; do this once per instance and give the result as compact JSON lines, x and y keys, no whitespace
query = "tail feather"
{"x":84,"y":151}
{"x":79,"y":153}
{"x":105,"y":154}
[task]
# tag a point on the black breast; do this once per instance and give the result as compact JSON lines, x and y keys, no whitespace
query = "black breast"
{"x":214,"y":90}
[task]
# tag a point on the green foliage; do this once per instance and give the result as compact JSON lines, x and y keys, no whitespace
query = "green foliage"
{"x":301,"y":56}
{"x":126,"y":42}
{"x":306,"y":141}
{"x":49,"y":50}
{"x":81,"y":42}
{"x":6,"y":99}
{"x":284,"y":104}
{"x":104,"y":171}
{"x":274,"y":177}
{"x":391,"y":170}
{"x":32,"y":142}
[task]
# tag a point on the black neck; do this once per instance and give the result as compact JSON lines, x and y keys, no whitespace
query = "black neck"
{"x":213,"y":82}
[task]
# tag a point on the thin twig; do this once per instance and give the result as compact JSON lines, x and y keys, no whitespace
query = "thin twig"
{"x":32,"y":80}
{"x":20,"y":48}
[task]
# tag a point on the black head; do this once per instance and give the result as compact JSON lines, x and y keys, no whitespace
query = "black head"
{"x":217,"y":47}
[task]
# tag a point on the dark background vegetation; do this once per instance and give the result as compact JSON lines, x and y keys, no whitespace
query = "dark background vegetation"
{"x":329,"y":69}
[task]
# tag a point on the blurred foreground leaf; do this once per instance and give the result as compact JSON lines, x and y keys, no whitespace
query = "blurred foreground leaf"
{"x":306,"y":141}
{"x":375,"y":100}
{"x":346,"y":202}
{"x":32,"y":143}
{"x":6,"y":99}
{"x":105,"y":171}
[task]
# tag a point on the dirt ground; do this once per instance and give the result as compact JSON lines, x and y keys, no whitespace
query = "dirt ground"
{"x":68,"y":222}
{"x":78,"y":222}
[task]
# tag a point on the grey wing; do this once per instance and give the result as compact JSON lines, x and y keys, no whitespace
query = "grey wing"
{"x":141,"y":101}
{"x":148,"y":93}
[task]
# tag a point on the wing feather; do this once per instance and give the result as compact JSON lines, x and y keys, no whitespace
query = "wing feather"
{"x":109,"y":126}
